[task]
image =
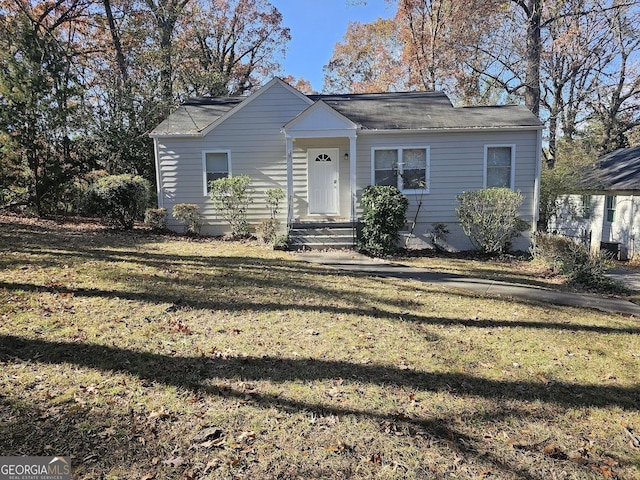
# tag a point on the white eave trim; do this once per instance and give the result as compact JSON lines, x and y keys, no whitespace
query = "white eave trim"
{"x":176,"y":135}
{"x":350,"y":133}
{"x":399,"y":131}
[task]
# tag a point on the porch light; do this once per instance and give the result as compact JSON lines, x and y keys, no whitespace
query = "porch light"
{"x":346,"y":157}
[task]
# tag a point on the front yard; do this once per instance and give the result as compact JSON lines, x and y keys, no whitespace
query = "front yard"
{"x":150,"y":357}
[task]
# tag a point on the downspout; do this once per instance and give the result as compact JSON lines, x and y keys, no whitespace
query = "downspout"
{"x":289,"y":181}
{"x":538,"y":179}
{"x":352,"y":183}
{"x":159,"y":192}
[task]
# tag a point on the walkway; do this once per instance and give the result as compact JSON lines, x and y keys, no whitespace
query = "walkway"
{"x":358,"y":263}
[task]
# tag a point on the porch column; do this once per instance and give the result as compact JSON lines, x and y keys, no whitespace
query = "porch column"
{"x":289,"y":181}
{"x":352,"y":176}
{"x":598,"y":215}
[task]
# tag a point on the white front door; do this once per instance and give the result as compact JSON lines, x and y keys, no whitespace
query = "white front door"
{"x":323,"y":180}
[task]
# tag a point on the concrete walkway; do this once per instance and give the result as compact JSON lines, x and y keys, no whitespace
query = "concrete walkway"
{"x":358,"y":263}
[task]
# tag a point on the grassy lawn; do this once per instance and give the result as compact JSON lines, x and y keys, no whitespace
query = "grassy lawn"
{"x":512,"y":269}
{"x":152,"y":357}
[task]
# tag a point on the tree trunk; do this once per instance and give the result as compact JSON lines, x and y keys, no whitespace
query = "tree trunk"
{"x":533,"y":12}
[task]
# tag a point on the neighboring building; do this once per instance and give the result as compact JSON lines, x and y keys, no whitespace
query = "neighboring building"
{"x":322,"y":150}
{"x":606,"y":212}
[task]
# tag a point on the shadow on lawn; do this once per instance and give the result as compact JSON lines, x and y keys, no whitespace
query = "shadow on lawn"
{"x":78,"y":434}
{"x":180,"y":300}
{"x":191,"y":372}
{"x":198,"y":374}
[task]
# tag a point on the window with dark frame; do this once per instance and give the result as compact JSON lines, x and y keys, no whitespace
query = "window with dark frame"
{"x":586,"y":206}
{"x":610,"y":206}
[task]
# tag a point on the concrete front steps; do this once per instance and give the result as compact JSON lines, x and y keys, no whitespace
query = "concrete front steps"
{"x":310,"y":235}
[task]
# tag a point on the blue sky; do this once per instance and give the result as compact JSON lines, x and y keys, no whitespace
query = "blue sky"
{"x":316,"y":26}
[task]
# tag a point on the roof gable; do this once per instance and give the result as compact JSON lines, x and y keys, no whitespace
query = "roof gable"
{"x":317,"y":120}
{"x":199,"y":116}
{"x":254,"y":96}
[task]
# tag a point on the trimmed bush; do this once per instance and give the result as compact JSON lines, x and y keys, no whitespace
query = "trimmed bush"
{"x":232,"y":196}
{"x":384,"y":214}
{"x":156,"y":218}
{"x":119,"y":200}
{"x":489,"y":218}
{"x":188,"y":214}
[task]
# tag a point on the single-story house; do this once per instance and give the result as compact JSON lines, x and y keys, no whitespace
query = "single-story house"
{"x":323,"y":150}
{"x":606,"y":210}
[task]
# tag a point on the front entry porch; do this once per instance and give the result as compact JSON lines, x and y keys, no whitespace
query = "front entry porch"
{"x":316,"y":235}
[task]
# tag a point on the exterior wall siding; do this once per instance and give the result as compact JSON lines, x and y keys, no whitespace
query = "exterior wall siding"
{"x":257,"y":146}
{"x":258,"y":149}
{"x":456,"y":165}
{"x":624,"y":229}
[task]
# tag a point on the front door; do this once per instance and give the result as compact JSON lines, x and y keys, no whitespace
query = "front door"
{"x":323,"y":181}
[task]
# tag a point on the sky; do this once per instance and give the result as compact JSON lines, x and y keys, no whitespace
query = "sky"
{"x":316,"y":26}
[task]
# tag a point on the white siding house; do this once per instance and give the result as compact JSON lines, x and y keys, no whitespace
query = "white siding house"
{"x":323,"y":150}
{"x":606,"y":212}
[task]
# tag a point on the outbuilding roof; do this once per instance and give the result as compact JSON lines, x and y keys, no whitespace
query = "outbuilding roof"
{"x":370,"y":111}
{"x":615,"y":171}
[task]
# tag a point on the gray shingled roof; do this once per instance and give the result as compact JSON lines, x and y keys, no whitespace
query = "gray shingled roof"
{"x":423,"y":110}
{"x":618,"y":170}
{"x":196,"y":114}
{"x":373,"y":111}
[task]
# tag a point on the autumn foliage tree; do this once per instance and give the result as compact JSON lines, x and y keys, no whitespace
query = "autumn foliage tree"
{"x":82,"y":82}
{"x":230,"y":47}
{"x":40,"y":95}
{"x":368,"y":60}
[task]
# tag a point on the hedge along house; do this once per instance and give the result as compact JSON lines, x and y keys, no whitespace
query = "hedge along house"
{"x":605,"y":209}
{"x":323,"y":150}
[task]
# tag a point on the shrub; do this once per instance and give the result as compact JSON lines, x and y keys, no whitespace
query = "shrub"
{"x":189,"y":215}
{"x":118,"y":199}
{"x":156,"y":218}
{"x":489,"y":218}
{"x":281,"y":242}
{"x":232,"y":196}
{"x":268,"y":230}
{"x":439,"y":233}
{"x":274,"y":196}
{"x":384,"y":214}
{"x":573,"y":260}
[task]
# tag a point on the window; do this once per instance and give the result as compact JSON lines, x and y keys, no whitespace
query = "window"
{"x":586,"y":206}
{"x":498,"y":161}
{"x":385,"y":167}
{"x":610,"y":207}
{"x":405,"y":168}
{"x":215,"y":166}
